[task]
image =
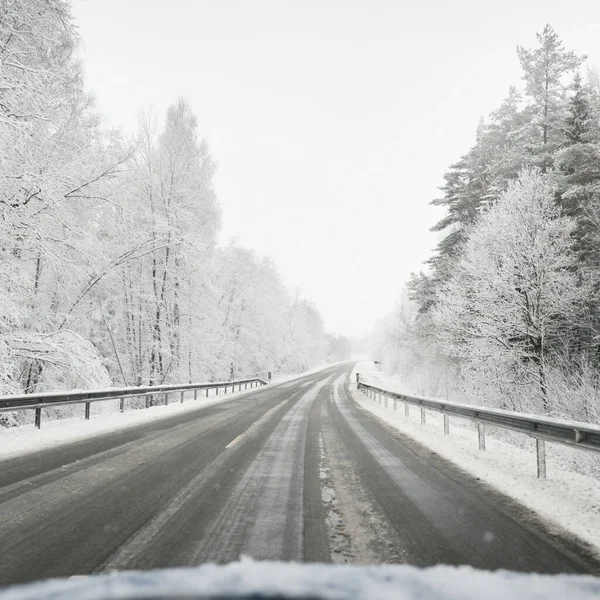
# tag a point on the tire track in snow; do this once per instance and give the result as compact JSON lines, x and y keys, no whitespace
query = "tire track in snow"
{"x":358,"y":528}
{"x":263,"y":515}
{"x":339,"y":540}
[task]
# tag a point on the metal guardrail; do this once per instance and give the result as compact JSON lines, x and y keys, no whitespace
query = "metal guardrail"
{"x":571,"y":433}
{"x":267,"y":375}
{"x":39,"y":401}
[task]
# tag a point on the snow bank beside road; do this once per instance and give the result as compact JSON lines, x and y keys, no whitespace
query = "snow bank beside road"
{"x":565,"y":500}
{"x":248,"y":579}
{"x":24,"y":439}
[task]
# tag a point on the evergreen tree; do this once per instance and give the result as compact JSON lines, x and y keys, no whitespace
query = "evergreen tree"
{"x":478,"y":179}
{"x":545,"y":69}
{"x":578,"y":125}
{"x":513,"y":294}
{"x":507,"y":141}
{"x":578,"y":192}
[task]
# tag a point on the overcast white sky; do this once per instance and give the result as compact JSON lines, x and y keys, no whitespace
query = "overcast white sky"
{"x":332,"y":121}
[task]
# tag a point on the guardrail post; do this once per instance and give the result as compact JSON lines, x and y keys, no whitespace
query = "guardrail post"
{"x":446,"y":424}
{"x":406,"y":410}
{"x":481,"y":435}
{"x":195,"y":394}
{"x":121,"y":404}
{"x":217,"y":390}
{"x":147,"y":400}
{"x":38,"y":417}
{"x":207,"y":392}
{"x":87,"y":411}
{"x":422,"y":416}
{"x":246,"y":385}
{"x":541,"y":458}
{"x":240,"y":388}
{"x":182,"y":393}
{"x":166,"y":398}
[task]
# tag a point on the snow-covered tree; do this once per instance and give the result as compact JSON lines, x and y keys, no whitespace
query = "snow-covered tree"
{"x":514,"y":287}
{"x":545,"y":71}
{"x":52,"y":159}
{"x":109,"y":269}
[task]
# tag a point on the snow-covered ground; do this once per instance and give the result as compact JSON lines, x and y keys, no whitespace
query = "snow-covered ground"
{"x":16,"y":441}
{"x":249,"y":579}
{"x":24,"y":439}
{"x":565,"y":500}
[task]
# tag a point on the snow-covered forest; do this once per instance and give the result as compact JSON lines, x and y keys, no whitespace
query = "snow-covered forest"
{"x":110,"y":272}
{"x":507,"y":312}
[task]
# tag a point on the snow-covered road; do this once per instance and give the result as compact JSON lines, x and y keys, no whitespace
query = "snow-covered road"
{"x":289,"y":472}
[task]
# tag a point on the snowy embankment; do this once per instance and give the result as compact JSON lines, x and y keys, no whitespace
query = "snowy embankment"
{"x":567,"y":501}
{"x":249,"y":579}
{"x":24,"y":439}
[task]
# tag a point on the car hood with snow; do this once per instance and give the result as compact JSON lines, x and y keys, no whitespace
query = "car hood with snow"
{"x":256,"y":580}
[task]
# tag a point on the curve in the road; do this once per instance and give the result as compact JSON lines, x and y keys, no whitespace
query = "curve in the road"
{"x":292,"y":472}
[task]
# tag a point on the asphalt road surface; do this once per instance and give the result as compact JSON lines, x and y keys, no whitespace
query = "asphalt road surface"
{"x":294,"y":471}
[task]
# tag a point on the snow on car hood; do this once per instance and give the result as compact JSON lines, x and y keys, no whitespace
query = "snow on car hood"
{"x":256,"y":580}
